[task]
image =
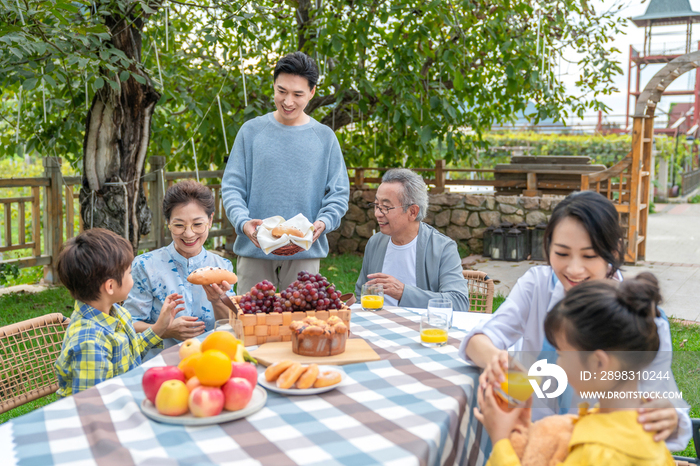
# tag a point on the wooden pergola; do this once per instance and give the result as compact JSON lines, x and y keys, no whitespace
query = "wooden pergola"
{"x":627,"y":183}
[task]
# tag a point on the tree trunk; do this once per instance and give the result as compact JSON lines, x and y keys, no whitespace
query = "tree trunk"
{"x":117,"y":133}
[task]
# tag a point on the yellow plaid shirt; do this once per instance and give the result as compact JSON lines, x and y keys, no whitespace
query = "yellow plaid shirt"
{"x":98,"y":346}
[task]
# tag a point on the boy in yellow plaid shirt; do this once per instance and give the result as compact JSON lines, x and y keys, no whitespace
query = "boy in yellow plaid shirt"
{"x":100,"y":342}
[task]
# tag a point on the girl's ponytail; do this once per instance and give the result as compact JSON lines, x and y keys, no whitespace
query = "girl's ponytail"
{"x":640,"y":295}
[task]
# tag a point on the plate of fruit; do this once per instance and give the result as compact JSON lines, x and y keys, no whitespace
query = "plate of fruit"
{"x":293,"y":378}
{"x":212,"y":384}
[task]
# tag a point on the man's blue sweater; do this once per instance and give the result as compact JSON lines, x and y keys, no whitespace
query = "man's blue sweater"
{"x":276,"y":169}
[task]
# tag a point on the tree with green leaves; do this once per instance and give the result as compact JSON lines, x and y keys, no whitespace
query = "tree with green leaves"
{"x":95,"y":81}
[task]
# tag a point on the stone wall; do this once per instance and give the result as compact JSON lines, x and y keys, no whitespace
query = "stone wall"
{"x":462,"y":217}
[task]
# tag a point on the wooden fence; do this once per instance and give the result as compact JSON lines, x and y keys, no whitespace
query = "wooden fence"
{"x":690,"y":181}
{"x":52,"y":212}
{"x":39,"y":224}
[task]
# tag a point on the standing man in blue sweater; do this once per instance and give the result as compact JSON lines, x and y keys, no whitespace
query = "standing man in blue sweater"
{"x":284,"y":163}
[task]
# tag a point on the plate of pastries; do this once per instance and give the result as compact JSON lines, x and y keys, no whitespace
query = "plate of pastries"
{"x":293,"y":378}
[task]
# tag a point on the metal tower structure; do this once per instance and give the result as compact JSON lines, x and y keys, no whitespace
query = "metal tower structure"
{"x":663,"y":13}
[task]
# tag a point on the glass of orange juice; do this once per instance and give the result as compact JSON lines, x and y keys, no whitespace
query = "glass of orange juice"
{"x":516,"y":389}
{"x":433,"y":330}
{"x":372,"y":297}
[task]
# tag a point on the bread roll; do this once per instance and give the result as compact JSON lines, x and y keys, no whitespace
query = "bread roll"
{"x":328,"y":378}
{"x":280,"y":230}
{"x":290,"y":376}
{"x":308,"y":378}
{"x":273,"y":372}
{"x":211,"y":275}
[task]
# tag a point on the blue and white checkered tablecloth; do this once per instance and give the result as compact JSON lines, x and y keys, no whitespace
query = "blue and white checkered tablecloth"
{"x":413,"y":407}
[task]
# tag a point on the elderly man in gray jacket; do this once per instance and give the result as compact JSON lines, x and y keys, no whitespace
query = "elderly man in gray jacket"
{"x":412,"y":260}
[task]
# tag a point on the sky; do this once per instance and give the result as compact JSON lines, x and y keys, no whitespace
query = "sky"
{"x":667,"y":38}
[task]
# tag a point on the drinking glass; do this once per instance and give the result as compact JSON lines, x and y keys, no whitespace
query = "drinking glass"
{"x":516,"y":389}
{"x":443,"y":307}
{"x":433,"y":331}
{"x":223,"y":324}
{"x":372,"y":297}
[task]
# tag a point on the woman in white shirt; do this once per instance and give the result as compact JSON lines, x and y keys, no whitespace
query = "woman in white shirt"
{"x":583,"y":242}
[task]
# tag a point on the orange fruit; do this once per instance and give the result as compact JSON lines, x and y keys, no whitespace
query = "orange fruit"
{"x":213,"y":368}
{"x":222,"y":341}
{"x":188,"y":364}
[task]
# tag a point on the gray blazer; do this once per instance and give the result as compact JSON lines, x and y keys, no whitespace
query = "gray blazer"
{"x":438,"y":269}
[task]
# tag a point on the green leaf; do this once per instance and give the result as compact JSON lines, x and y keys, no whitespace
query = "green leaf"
{"x":29,"y":84}
{"x":140,"y":79}
{"x":458,"y":81}
{"x":166,"y":145}
{"x":99,"y":83}
{"x":124,"y":76}
{"x":51,"y":82}
{"x":114,"y":85}
{"x":426,"y":134}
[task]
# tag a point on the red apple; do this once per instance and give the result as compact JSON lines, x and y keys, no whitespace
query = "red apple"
{"x":206,"y":401}
{"x":245,"y":370}
{"x":237,"y":393}
{"x":154,"y":378}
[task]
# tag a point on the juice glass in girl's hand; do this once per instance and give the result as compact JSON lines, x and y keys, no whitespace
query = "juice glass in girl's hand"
{"x":433,"y":331}
{"x":372,"y":297}
{"x":443,"y":307}
{"x":516,"y":389}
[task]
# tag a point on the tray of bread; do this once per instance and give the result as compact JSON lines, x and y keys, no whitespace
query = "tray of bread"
{"x":261,"y":315}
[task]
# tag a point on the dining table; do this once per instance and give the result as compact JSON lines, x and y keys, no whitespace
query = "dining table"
{"x":413,"y":406}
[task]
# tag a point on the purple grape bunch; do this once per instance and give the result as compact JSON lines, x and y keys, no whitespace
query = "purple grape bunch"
{"x":308,"y":292}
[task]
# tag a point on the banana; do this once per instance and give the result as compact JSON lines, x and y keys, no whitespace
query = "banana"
{"x":248,"y":357}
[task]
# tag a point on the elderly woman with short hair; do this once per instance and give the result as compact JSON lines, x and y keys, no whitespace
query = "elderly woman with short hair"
{"x":412,"y":260}
{"x":188,"y":207}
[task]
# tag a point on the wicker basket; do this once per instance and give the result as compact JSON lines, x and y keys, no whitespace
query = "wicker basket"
{"x":287,"y":250}
{"x":256,"y":329}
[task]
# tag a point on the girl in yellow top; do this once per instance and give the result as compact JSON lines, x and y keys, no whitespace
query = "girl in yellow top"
{"x":600,"y":326}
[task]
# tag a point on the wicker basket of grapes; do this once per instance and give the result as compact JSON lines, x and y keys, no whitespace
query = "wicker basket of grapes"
{"x":262,"y":316}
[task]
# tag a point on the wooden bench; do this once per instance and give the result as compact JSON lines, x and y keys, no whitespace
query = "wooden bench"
{"x":544,"y":174}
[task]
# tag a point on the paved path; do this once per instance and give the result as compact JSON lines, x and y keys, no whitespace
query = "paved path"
{"x":673,"y":234}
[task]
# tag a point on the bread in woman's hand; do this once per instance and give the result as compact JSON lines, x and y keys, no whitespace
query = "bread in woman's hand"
{"x":280,"y":230}
{"x":211,"y":275}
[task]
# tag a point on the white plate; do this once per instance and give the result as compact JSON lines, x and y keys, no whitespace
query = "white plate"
{"x":309,"y":391}
{"x":254,"y":405}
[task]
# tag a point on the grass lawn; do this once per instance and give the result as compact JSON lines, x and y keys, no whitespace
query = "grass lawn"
{"x":343,"y":271}
{"x":686,"y":369}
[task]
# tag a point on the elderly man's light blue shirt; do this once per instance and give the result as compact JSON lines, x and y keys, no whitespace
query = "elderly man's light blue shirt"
{"x":159,"y":273}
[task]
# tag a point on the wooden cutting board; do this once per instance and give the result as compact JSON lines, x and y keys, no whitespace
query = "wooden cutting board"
{"x":356,"y":350}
